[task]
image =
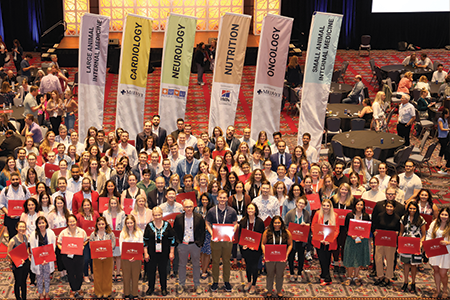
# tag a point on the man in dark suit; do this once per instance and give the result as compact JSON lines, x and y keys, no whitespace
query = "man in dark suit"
{"x":281,"y":158}
{"x":232,"y":141}
{"x":158,"y":131}
{"x":190,"y":231}
{"x":371,"y":163}
{"x":142,"y":136}
{"x":158,"y":195}
{"x":180,"y":128}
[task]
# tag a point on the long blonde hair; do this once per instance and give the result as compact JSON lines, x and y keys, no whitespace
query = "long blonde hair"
{"x":378,"y":98}
{"x":293,"y":62}
{"x":332,"y":217}
{"x":362,"y":168}
{"x":349,"y":199}
{"x":437,"y":224}
{"x":125,"y":228}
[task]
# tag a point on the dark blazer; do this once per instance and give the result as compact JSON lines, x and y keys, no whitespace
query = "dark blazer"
{"x":152,"y":198}
{"x":140,"y":140}
{"x":275,"y":159}
{"x":135,"y":171}
{"x":258,"y":227}
{"x":161,"y":138}
{"x":234,"y":145}
{"x":199,"y":229}
{"x":376,"y":163}
{"x":106,"y":147}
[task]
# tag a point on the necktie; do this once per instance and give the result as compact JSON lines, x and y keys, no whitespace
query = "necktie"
{"x":282,"y":159}
{"x":21,"y":164}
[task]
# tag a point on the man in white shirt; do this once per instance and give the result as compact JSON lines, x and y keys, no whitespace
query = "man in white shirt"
{"x":406,"y":117}
{"x":129,"y":149}
{"x":21,"y":161}
{"x":276,"y":138}
{"x":182,"y":143}
{"x":174,"y":157}
{"x":424,"y":62}
{"x":439,"y":75}
{"x":74,"y":139}
{"x":246,"y":138}
{"x":410,"y":183}
{"x":170,"y":206}
{"x":311,"y":152}
{"x":63,"y":138}
{"x":256,"y":162}
{"x":154,"y":162}
{"x":67,"y":195}
{"x":51,"y":160}
{"x":281,"y":172}
{"x":190,"y":139}
{"x":74,"y":183}
{"x":31,"y":159}
{"x":268,"y":206}
{"x":410,"y":60}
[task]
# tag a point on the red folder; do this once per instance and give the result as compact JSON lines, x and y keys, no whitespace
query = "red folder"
{"x":223,"y":232}
{"x":408,"y":245}
{"x":244,"y":178}
{"x":357,"y":196}
{"x":101,"y":249}
{"x":187,"y":196}
{"x":434,"y":248}
{"x":18,"y":254}
{"x":44,"y":253}
{"x":314,"y":201}
{"x":429,"y":219}
{"x":50,"y":169}
{"x":72,"y":245}
{"x":32,"y":190}
{"x":57,"y":231}
{"x":89,"y":227}
{"x":103,"y":204}
{"x":369,"y":206}
{"x":323,"y":232}
{"x":15,"y":207}
{"x":127,"y":205}
{"x":275,"y":253}
{"x":267,"y":221}
{"x":341,"y":214}
{"x":250,"y":238}
{"x":170,"y":218}
{"x":221,"y":153}
{"x":117,"y":235}
{"x":359,"y":228}
{"x":386,"y":238}
{"x":132,"y":250}
{"x":236,"y":237}
{"x":299,"y":232}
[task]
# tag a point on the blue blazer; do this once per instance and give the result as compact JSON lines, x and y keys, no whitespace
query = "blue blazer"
{"x":275,"y":159}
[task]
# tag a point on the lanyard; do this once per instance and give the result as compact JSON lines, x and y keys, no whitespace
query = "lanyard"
{"x":273,"y":234}
{"x":190,"y":169}
{"x":298,"y":219}
{"x":224,"y":216}
{"x":253,"y":224}
{"x":240,"y":210}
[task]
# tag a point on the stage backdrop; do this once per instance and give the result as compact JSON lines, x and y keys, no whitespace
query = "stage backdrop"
{"x":230,"y":55}
{"x":270,"y":70}
{"x":134,"y":60}
{"x":92,"y":71}
{"x":320,"y":57}
{"x":176,"y":69}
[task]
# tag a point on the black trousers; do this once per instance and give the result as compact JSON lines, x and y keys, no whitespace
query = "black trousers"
{"x":298,"y":247}
{"x":251,"y":258}
{"x":59,"y":260}
{"x":157,"y":260}
{"x":74,"y":267}
{"x":20,"y":277}
{"x":404,"y":131}
{"x":55,"y":124}
{"x":324,"y":255}
{"x":10,"y":224}
{"x":340,"y":245}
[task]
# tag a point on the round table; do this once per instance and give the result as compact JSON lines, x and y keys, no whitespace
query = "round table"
{"x":16,"y":114}
{"x":337,"y":110}
{"x":354,"y":142}
{"x":434,"y":88}
{"x":417,"y":72}
{"x":339,"y":88}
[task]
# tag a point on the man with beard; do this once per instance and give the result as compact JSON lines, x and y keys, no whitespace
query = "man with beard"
{"x":310,"y":152}
{"x":15,"y":191}
{"x":74,"y":183}
{"x":158,"y":131}
{"x":120,"y":178}
{"x":67,"y":195}
{"x":141,"y":166}
{"x":232,"y":141}
{"x":103,"y":146}
{"x":74,"y":139}
{"x":129,"y":149}
{"x":180,"y":128}
{"x":85,"y":193}
{"x":158,"y":195}
{"x":31,"y":159}
{"x":142,"y":136}
{"x":338,"y":177}
{"x":189,"y":165}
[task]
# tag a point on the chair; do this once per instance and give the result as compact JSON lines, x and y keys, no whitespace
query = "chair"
{"x":372,"y":69}
{"x":376,"y":152}
{"x":365,"y":44}
{"x":435,"y":65}
{"x":2,"y":99}
{"x":20,"y":79}
{"x":16,"y":150}
{"x":416,"y":94}
{"x":420,"y":159}
{"x":74,"y":84}
{"x":379,"y":76}
{"x":406,"y":152}
{"x":44,"y":130}
{"x":335,"y":98}
{"x":425,"y":124}
{"x":333,"y":127}
{"x":336,"y":75}
{"x":418,"y":150}
{"x":388,"y":119}
{"x":339,"y":152}
{"x":343,"y":70}
{"x":364,"y":94}
{"x":357,"y":124}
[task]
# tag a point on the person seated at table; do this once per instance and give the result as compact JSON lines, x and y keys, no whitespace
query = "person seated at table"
{"x":353,"y":96}
{"x":423,"y":103}
{"x":366,"y":113}
{"x":424,"y":62}
{"x":410,"y":60}
{"x":423,"y":84}
{"x":444,"y":89}
{"x":439,"y":75}
{"x":294,"y":75}
{"x":405,"y":83}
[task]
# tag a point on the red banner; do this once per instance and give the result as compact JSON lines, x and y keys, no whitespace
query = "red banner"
{"x":170,"y":218}
{"x":386,"y":238}
{"x":359,"y":228}
{"x":223,"y":232}
{"x":369,"y":206}
{"x":299,"y":232}
{"x":323,"y":232}
{"x":275,"y":253}
{"x":57,"y":231}
{"x":50,"y":169}
{"x":187,"y":196}
{"x":341,"y":214}
{"x":408,"y":245}
{"x":127,"y":205}
{"x":19,"y":254}
{"x":101,"y":249}
{"x":434,"y":247}
{"x":132,"y":250}
{"x":103,"y":203}
{"x":15,"y":208}
{"x":72,"y":245}
{"x":44,"y":254}
{"x":250,"y":238}
{"x":314,"y":201}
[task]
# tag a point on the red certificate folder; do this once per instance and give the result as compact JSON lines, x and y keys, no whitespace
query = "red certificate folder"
{"x":369,"y":206}
{"x":428,"y":219}
{"x":101,"y":249}
{"x":18,"y":254}
{"x":359,"y":228}
{"x":216,"y":152}
{"x":187,"y":196}
{"x":386,"y":238}
{"x":127,"y":205}
{"x":89,"y":227}
{"x":49,"y":169}
{"x":267,"y":221}
{"x":250,"y":238}
{"x":299,"y":232}
{"x":314,"y":201}
{"x":223,"y":232}
{"x":434,"y":248}
{"x":341,"y":214}
{"x":132,"y":250}
{"x":117,"y":235}
{"x":72,"y":245}
{"x":15,"y":207}
{"x":57,"y":231}
{"x":32,"y":190}
{"x":103,"y":204}
{"x":44,"y":253}
{"x":408,"y":245}
{"x":275,"y":253}
{"x":323,"y":232}
{"x":170,"y":218}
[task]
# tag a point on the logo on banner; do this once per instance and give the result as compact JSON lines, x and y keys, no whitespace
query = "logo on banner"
{"x":225,"y":96}
{"x":386,"y":238}
{"x":132,"y":93}
{"x":173,"y":93}
{"x":435,"y":247}
{"x":409,"y":245}
{"x":268,"y":92}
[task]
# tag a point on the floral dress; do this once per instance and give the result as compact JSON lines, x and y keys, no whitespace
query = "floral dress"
{"x":412,"y":230}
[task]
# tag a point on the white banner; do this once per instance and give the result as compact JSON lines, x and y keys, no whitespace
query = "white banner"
{"x":320,"y":57}
{"x":93,"y":43}
{"x":270,"y":70}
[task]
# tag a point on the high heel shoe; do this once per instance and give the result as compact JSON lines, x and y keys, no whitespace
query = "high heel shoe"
{"x":405,"y":287}
{"x":413,"y":288}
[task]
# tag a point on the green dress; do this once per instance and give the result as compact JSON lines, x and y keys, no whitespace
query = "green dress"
{"x":356,"y":254}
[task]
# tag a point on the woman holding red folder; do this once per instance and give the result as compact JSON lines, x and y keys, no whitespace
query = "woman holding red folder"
{"x":20,"y":272}
{"x":325,"y":216}
{"x":356,"y":250}
{"x":441,"y":228}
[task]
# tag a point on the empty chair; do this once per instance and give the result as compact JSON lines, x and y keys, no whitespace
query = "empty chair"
{"x":333,"y":127}
{"x":339,"y":152}
{"x":376,"y":152}
{"x":336,"y":75}
{"x":435,"y":64}
{"x":424,"y":159}
{"x":44,"y":130}
{"x":418,"y":150}
{"x":357,"y":124}
{"x":416,"y":94}
{"x":405,"y":153}
{"x":365,"y":43}
{"x":388,"y":119}
{"x":343,"y":70}
{"x":425,"y":124}
{"x":335,"y":98}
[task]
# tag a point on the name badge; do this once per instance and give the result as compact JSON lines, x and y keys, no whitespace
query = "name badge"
{"x":186,"y":239}
{"x":158,"y":247}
